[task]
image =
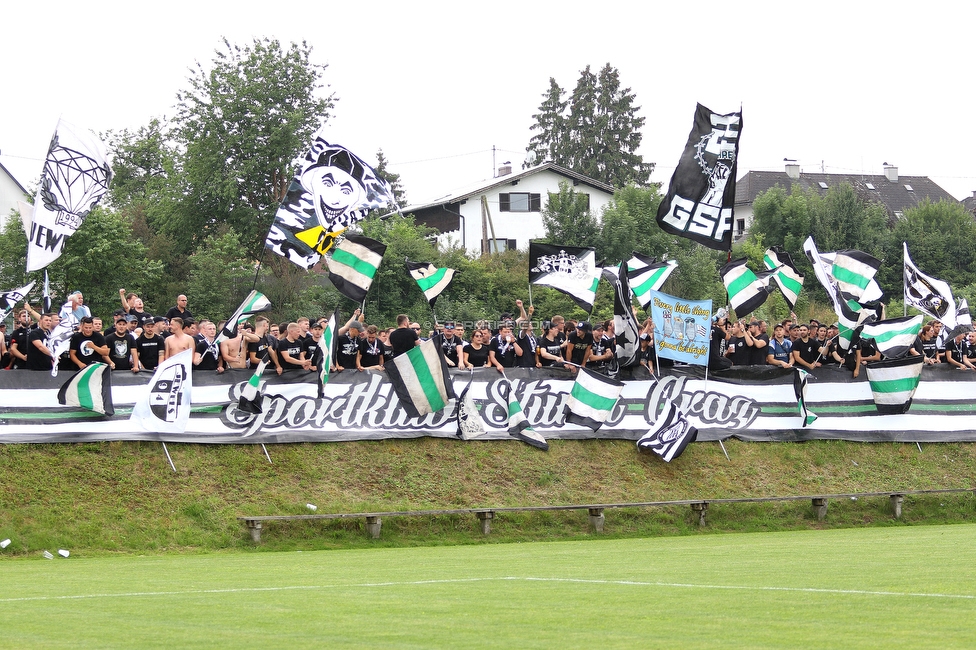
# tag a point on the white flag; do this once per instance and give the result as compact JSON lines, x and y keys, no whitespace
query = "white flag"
{"x":165,"y":406}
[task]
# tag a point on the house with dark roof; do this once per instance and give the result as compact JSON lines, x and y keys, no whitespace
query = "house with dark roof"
{"x":896,"y":193}
{"x":11,"y":192}
{"x":505,"y":212}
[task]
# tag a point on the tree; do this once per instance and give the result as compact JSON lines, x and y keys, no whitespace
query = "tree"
{"x":567,"y":218}
{"x":240,"y":125}
{"x":596,"y":132}
{"x":393,"y":179}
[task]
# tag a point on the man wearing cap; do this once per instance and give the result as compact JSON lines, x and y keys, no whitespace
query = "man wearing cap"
{"x":312,"y":350}
{"x":601,"y":350}
{"x":718,"y":342}
{"x":150,"y":346}
{"x":452,"y":345}
{"x":758,"y":343}
{"x":580,"y":344}
{"x":122,"y":353}
{"x":347,"y":345}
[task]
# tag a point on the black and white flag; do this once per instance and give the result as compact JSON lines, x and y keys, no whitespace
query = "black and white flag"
{"x":353,"y":265}
{"x":670,"y":434}
{"x":701,"y":195}
{"x":569,"y":269}
{"x":90,"y":388}
{"x":747,"y":290}
{"x":928,"y":295}
{"x":469,"y":422}
{"x":800,"y":389}
{"x":787,"y":277}
{"x":164,"y":405}
{"x":9,"y":299}
{"x":431,"y":280}
{"x":625,"y":327}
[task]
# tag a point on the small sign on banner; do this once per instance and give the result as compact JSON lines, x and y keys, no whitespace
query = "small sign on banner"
{"x":681,"y":328}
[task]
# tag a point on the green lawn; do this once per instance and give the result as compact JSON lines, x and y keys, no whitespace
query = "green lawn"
{"x":876,"y":587}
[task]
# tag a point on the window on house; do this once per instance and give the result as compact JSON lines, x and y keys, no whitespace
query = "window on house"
{"x":519,"y":202}
{"x":499,"y":245}
{"x":740,"y":227}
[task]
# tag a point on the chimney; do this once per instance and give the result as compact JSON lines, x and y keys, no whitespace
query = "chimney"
{"x":506,"y":168}
{"x":891,"y":173}
{"x":793,"y":171}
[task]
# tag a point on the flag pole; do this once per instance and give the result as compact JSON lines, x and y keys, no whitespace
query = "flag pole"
{"x":168,"y":457}
{"x":721,"y":444}
{"x":266,"y":454}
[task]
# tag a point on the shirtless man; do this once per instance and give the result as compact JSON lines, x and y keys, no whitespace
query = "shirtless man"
{"x":178,"y":340}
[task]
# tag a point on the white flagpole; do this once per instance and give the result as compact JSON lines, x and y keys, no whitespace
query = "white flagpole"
{"x":168,"y":457}
{"x":721,"y":444}
{"x":266,"y":454}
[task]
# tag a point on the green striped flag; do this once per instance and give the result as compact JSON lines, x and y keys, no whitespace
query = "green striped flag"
{"x":431,"y":280}
{"x":353,"y":265}
{"x":255,"y":303}
{"x":518,"y":425}
{"x":853,"y":272}
{"x":251,"y":397}
{"x":800,"y":389}
{"x":787,"y":277}
{"x":893,"y":383}
{"x":894,"y":337}
{"x":645,"y":275}
{"x":420,"y":378}
{"x":327,"y":344}
{"x":592,"y":399}
{"x":89,"y":388}
{"x":747,"y":290}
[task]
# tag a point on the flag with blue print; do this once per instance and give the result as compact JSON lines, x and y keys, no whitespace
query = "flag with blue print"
{"x":353,"y":265}
{"x":569,"y":269}
{"x":518,"y":425}
{"x":646,"y":275}
{"x":747,"y":290}
{"x":670,"y":435}
{"x":90,"y":388}
{"x":800,"y":377}
{"x":893,"y":337}
{"x":592,"y":399}
{"x":786,"y":275}
{"x":893,"y":383}
{"x":420,"y":378}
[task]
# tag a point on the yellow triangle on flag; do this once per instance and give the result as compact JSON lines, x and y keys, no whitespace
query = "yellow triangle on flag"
{"x":317,"y":239}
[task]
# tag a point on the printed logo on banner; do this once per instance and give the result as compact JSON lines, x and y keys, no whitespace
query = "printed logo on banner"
{"x":681,"y":327}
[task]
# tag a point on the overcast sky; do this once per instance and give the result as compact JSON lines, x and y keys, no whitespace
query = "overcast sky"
{"x":843,"y":85}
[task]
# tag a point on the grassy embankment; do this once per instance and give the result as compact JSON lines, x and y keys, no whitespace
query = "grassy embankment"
{"x":123,"y":497}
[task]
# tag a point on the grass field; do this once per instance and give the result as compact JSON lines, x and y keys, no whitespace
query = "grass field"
{"x":876,"y":587}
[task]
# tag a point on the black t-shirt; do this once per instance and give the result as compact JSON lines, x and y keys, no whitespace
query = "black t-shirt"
{"x":36,"y":359}
{"x":174,"y":312}
{"x":504,"y":351}
{"x":347,"y":349}
{"x":449,"y":345}
{"x":741,"y":352}
{"x":808,"y":351}
{"x":929,"y":348}
{"x":294,"y":349}
{"x":259,"y":348}
{"x":120,"y":349}
{"x":81,"y":344}
{"x":716,"y":347}
{"x":958,"y":351}
{"x":403,"y":339}
{"x":149,"y":349}
{"x":757,"y":355}
{"x":20,"y":338}
{"x":528,"y":343}
{"x":370,"y":354}
{"x":209,"y":355}
{"x":552,"y":347}
{"x":477,"y":358}
{"x":578,"y":345}
{"x":314,"y":353}
{"x":141,"y":316}
{"x":600,"y":347}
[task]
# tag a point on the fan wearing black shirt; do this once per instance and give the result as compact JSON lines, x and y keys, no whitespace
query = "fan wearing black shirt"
{"x":404,"y":338}
{"x":150,"y":346}
{"x":579,"y":344}
{"x":503,"y":349}
{"x":370,"y":351}
{"x":806,"y":352}
{"x":122,"y":354}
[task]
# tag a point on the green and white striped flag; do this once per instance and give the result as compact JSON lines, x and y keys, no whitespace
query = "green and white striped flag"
{"x":894,"y":337}
{"x":251,"y":397}
{"x":592,"y":399}
{"x":787,"y":277}
{"x":89,"y":388}
{"x":800,"y":389}
{"x":420,"y":378}
{"x":853,"y":272}
{"x":353,"y":265}
{"x":747,"y":290}
{"x":893,"y":383}
{"x":327,"y":344}
{"x":645,"y":275}
{"x":431,"y":280}
{"x":518,"y":425}
{"x":255,"y":303}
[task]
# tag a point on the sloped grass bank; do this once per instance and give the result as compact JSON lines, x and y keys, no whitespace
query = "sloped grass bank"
{"x":123,"y":496}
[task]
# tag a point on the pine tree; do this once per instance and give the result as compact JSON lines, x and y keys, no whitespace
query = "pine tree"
{"x":595,"y":132}
{"x":393,"y":179}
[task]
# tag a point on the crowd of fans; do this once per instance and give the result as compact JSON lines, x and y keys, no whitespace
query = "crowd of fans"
{"x":135,"y":340}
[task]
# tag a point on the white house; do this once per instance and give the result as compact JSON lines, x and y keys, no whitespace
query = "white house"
{"x":505,"y":212}
{"x":11,"y":192}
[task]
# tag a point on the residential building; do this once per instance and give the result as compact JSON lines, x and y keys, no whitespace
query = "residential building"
{"x":896,"y":193}
{"x":505,"y":212}
{"x":11,"y":191}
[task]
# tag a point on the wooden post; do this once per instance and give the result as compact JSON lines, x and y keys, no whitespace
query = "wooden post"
{"x":820,"y":508}
{"x":896,"y":501}
{"x":701,"y":508}
{"x":597,"y":519}
{"x":373,"y":526}
{"x":485,"y":519}
{"x":254,"y":527}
